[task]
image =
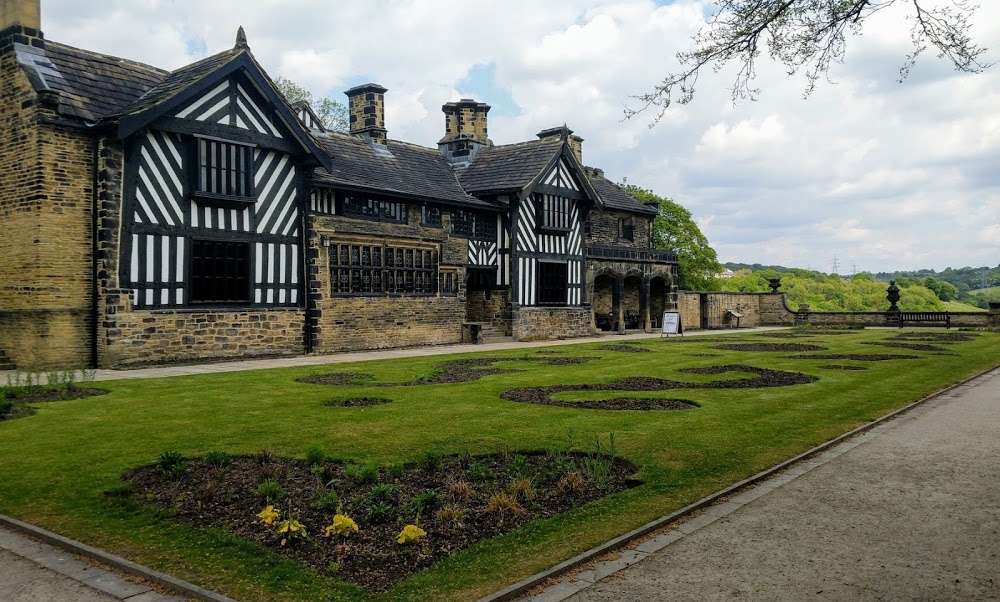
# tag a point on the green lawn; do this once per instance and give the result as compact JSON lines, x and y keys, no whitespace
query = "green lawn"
{"x":959,"y":306}
{"x":55,"y":465}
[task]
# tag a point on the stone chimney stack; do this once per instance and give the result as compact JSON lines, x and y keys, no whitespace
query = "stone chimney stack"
{"x":21,"y":23}
{"x":366,"y":107}
{"x":465,"y":130}
{"x":575,"y":142}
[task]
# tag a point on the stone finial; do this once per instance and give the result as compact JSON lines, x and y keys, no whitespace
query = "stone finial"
{"x":241,"y":39}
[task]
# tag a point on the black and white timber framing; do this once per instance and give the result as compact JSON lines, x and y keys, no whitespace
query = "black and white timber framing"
{"x":549,"y":229}
{"x":224,"y":165}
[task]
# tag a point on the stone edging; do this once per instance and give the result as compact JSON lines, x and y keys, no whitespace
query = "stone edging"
{"x":525,"y":585}
{"x":117,"y":562}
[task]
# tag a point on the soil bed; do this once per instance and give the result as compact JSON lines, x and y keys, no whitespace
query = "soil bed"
{"x":457,"y":371}
{"x":770,"y":347}
{"x":457,"y":492}
{"x":764,"y":378}
{"x":910,"y":346}
{"x":356,"y":402}
{"x":626,"y":348}
{"x":842,"y":367}
{"x":14,"y":402}
{"x":936,"y":337}
{"x":562,"y":361}
{"x":860,"y":357}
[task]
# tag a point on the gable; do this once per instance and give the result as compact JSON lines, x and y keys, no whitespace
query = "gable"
{"x":561,"y":176}
{"x":228,"y":90}
{"x":230,"y":103}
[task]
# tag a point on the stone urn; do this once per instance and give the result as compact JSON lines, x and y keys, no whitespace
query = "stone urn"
{"x":774,"y":283}
{"x":893,"y":295}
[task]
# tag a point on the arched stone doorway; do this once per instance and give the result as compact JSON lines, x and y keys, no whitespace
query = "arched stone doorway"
{"x":632,"y":302}
{"x":605,"y":303}
{"x":657,"y":301}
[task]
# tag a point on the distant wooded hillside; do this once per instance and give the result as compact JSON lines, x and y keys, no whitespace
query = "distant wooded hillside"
{"x":861,"y":292}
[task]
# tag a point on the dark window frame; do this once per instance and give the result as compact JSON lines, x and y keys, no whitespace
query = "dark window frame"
{"x":224,"y":171}
{"x":431,"y":216}
{"x":626,"y":229}
{"x":373,"y":208}
{"x":359,"y":269}
{"x":554,"y":212}
{"x":475,"y":225}
{"x":219,"y":272}
{"x":552,"y":287}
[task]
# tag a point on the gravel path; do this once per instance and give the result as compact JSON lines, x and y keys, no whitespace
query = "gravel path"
{"x":910,"y":511}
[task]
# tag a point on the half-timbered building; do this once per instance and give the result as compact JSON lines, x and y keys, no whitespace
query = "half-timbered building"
{"x":155,"y":216}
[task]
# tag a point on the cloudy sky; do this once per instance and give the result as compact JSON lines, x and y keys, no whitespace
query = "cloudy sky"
{"x":878,"y":174}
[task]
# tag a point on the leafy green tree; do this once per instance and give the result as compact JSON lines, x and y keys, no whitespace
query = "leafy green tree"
{"x":675,"y":230}
{"x":332,"y":114}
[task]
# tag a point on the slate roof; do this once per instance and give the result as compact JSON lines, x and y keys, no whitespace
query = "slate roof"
{"x":614,"y":197}
{"x":180,"y":79}
{"x":90,"y":85}
{"x":399,"y":168}
{"x":510,"y":166}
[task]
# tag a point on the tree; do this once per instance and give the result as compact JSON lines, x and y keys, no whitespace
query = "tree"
{"x":809,"y":35}
{"x":332,"y":114}
{"x":675,"y":230}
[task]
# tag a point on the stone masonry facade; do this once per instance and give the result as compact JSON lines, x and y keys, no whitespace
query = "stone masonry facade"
{"x":46,"y":193}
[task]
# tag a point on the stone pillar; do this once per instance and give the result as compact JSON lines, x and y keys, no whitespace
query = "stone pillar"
{"x":644,"y":306}
{"x":619,"y":303}
{"x":994,"y":313}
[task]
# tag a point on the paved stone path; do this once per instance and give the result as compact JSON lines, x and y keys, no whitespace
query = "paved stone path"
{"x":908,"y":511}
{"x":33,"y":571}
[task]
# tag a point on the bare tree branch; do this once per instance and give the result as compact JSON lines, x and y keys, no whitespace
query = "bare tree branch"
{"x":807,"y":35}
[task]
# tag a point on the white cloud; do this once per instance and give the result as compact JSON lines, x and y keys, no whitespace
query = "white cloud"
{"x":886,"y":175}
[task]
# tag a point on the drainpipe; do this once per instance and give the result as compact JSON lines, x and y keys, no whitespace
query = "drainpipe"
{"x":95,"y":263}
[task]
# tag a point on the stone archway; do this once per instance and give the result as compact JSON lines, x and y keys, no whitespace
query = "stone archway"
{"x":605,"y":302}
{"x":657,"y":300}
{"x":632,"y":302}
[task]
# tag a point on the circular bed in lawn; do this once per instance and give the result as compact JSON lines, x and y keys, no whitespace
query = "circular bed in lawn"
{"x":763,"y":377}
{"x":769,"y":347}
{"x":842,"y":367}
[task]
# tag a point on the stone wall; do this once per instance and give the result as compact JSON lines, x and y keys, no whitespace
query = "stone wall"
{"x":345,"y":323}
{"x":355,"y":323}
{"x":495,"y":311}
{"x":604,"y":229}
{"x":769,"y":309}
{"x":547,"y":323}
{"x":162,"y":336}
{"x":46,"y":195}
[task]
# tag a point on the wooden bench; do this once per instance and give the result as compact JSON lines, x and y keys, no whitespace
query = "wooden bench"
{"x":921,"y":317}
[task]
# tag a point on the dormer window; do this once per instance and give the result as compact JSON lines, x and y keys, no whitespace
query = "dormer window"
{"x":225,"y":170}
